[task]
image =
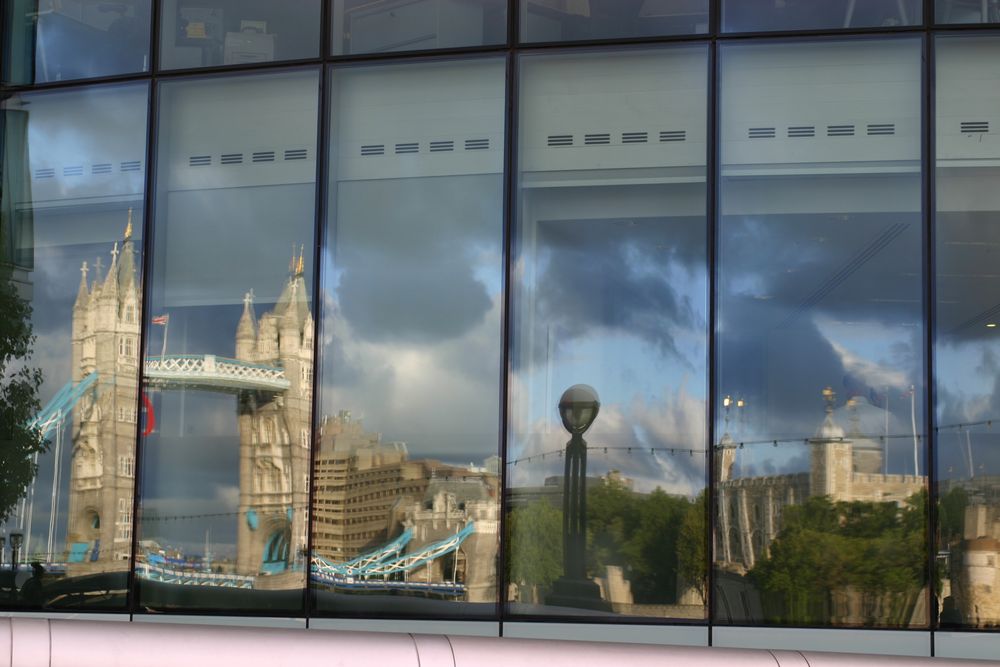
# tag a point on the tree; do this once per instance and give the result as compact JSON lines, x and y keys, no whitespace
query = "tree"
{"x":534,"y":546}
{"x":692,"y":560}
{"x":19,"y":383}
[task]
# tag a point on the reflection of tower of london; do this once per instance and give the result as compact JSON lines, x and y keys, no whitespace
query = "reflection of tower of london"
{"x":844,"y":465}
{"x":105,"y":339}
{"x":275,"y":434}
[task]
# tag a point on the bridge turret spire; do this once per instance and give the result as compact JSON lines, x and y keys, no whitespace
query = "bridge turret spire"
{"x":246,"y":330}
{"x":82,"y":294}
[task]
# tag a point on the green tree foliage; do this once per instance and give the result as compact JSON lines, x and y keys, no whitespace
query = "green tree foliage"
{"x":642,"y":534}
{"x":692,"y":559}
{"x":19,"y":383}
{"x":534,"y":539}
{"x":831,"y":557}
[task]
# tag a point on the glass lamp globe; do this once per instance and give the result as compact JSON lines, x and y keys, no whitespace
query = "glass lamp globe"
{"x":578,"y":408}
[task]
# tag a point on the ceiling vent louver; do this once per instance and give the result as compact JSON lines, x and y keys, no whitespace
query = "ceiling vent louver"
{"x":881,"y":129}
{"x":102,"y":168}
{"x":296,"y":154}
{"x":596,"y":139}
{"x":372,"y":149}
{"x":75,"y":170}
{"x":975,"y":126}
{"x":560,"y":140}
{"x":408,"y":147}
{"x":131,"y":165}
{"x":635,"y":137}
{"x":45,"y":173}
{"x":231,"y":158}
{"x":442,"y":146}
{"x":263,"y":156}
{"x":199,"y":160}
{"x":673,"y":135}
{"x":760,"y":133}
{"x":840,"y":130}
{"x":802,"y":131}
{"x":477,"y":144}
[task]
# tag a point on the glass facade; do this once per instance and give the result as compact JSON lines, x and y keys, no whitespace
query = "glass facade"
{"x":494,"y":310}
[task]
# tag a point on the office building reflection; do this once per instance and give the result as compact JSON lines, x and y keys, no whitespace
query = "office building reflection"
{"x":385,"y":522}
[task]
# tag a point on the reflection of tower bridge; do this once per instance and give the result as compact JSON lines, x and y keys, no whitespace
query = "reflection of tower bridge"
{"x":271,"y":377}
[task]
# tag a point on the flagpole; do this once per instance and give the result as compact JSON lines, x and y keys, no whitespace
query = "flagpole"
{"x":163,"y":351}
{"x":913,"y":422}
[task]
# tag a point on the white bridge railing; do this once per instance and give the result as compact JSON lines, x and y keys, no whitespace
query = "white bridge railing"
{"x":214,"y":372}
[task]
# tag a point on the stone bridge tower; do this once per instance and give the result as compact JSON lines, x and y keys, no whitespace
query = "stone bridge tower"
{"x":105,"y":340}
{"x":275,"y":436}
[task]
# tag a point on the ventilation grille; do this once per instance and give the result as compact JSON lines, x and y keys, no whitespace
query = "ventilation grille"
{"x":232,"y":158}
{"x":840,"y":130}
{"x":596,"y":139}
{"x":477,"y":144}
{"x":975,"y":126}
{"x":881,"y":129}
{"x":103,"y":168}
{"x":442,"y":146}
{"x":635,"y":137}
{"x":75,"y":170}
{"x":373,"y":149}
{"x":560,"y":140}
{"x":296,"y":154}
{"x":263,"y":156}
{"x":410,"y":147}
{"x":45,"y":173}
{"x":761,"y":133}
{"x":199,"y":160}
{"x":802,"y":131}
{"x":673,"y":135}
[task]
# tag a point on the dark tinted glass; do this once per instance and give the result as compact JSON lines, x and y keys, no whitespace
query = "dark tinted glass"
{"x":610,"y":306}
{"x":364,"y":26}
{"x":967,"y":11}
{"x":761,"y":15}
{"x":821,"y":475}
{"x":406,"y":474}
{"x":52,"y":40}
{"x":236,"y":32}
{"x":967,"y":237}
{"x":569,"y":20}
{"x":228,"y":371}
{"x":70,"y":292}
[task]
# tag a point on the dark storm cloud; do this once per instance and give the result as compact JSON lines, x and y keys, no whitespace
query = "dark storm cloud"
{"x":616,"y":276}
{"x":412,"y":298}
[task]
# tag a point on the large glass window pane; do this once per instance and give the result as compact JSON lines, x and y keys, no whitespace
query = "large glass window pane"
{"x":228,"y":371}
{"x":58,"y":40}
{"x":406,"y":475}
{"x":70,"y":290}
{"x":967,"y":11}
{"x":203,"y":33}
{"x":570,"y":20}
{"x":967,"y":342}
{"x":610,"y":305}
{"x":760,"y":15}
{"x":367,"y":26}
{"x":820,"y":472}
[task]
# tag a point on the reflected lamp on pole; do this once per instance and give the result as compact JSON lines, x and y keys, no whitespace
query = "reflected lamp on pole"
{"x":15,"y":549}
{"x":578,"y":409}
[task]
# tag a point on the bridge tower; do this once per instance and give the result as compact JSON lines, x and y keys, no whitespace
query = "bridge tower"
{"x":275,"y":434}
{"x":105,"y":340}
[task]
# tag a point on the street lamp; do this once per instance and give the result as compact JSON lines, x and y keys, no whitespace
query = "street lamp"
{"x":15,"y":549}
{"x":578,"y":409}
{"x":3,"y":543}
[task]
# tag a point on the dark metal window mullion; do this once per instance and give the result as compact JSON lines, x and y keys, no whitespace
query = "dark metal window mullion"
{"x":927,"y":158}
{"x":711,"y":215}
{"x":510,"y":208}
{"x":319,"y":243}
{"x":149,"y":203}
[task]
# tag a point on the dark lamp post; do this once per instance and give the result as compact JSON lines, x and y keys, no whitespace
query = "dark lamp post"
{"x":578,"y":409}
{"x":15,"y":549}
